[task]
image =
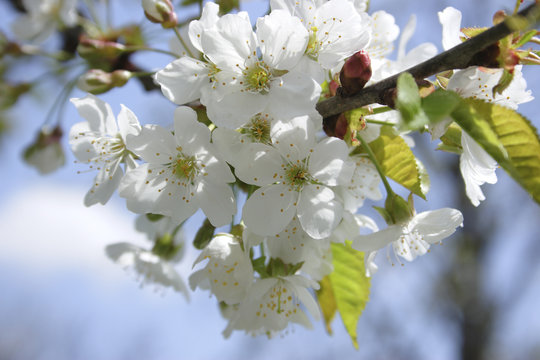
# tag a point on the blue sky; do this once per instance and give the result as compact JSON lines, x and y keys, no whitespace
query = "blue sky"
{"x":61,"y":298}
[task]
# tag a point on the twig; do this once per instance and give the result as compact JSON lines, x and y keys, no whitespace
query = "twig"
{"x":461,"y":56}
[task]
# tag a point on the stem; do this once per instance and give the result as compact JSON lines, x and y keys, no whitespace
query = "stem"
{"x":373,"y":159}
{"x":92,"y":10}
{"x":144,"y":48}
{"x":458,"y":57}
{"x":378,"y":122}
{"x":182,"y":42}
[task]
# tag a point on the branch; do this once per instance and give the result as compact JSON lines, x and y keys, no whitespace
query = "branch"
{"x":468,"y":53}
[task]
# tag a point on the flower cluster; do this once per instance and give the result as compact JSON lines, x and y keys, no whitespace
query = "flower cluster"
{"x":257,"y":143}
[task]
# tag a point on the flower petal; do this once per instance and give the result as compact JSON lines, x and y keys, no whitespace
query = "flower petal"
{"x":182,"y":79}
{"x":269,"y":209}
{"x":328,"y":162}
{"x":436,"y":225}
{"x":217,"y":202}
{"x":98,"y":114}
{"x":318,"y":213}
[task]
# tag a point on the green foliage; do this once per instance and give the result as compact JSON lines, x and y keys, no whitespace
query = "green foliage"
{"x":409,"y":102}
{"x":507,"y":136}
{"x":345,"y":290}
{"x":204,"y":235}
{"x":398,"y":162}
{"x":440,"y":104}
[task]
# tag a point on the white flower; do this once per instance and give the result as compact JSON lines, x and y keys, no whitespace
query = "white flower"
{"x":46,"y":153}
{"x":181,"y":173}
{"x":100,"y":142}
{"x":295,"y":174}
{"x":149,"y":267}
{"x":42,"y":18}
{"x":242,"y":83}
{"x":181,"y":80}
{"x":228,"y":273}
{"x":336,"y":31}
{"x":271,"y":303}
{"x":363,"y":184}
{"x":414,"y":236}
{"x":384,"y":33}
{"x":293,"y":246}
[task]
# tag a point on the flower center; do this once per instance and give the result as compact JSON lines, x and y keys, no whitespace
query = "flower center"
{"x":258,"y":129}
{"x":257,"y":78}
{"x":314,"y":45}
{"x":185,"y":167}
{"x":297,"y":176}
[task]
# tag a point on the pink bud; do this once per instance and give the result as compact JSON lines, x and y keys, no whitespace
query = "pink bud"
{"x":355,"y":73}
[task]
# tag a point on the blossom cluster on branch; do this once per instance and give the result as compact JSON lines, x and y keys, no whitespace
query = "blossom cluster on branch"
{"x":247,"y":135}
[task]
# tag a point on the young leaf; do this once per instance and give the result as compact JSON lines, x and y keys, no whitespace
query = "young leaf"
{"x":408,"y":102}
{"x":520,"y":155}
{"x":440,"y":104}
{"x":349,"y":285}
{"x":397,"y":160}
{"x":327,"y":302}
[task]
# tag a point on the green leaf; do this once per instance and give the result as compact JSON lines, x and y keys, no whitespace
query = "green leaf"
{"x":468,"y":117}
{"x":204,"y":235}
{"x":327,"y":302}
{"x":397,"y":160}
{"x":350,"y":286}
{"x":409,"y":103}
{"x":520,"y":154}
{"x":504,"y":82}
{"x":440,"y":104}
{"x":525,"y":38}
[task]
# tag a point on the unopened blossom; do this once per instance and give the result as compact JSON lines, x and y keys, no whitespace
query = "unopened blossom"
{"x":414,"y":236}
{"x":228,"y":272}
{"x":295,"y":175}
{"x":101,"y":143}
{"x":272,"y":303}
{"x":182,"y":173}
{"x":160,"y":11}
{"x":336,"y":31}
{"x":43,"y":17}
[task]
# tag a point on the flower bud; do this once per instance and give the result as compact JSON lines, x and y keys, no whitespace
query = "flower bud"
{"x":95,"y":49}
{"x":97,"y":81}
{"x":161,"y":12}
{"x":46,"y":153}
{"x":355,"y":73}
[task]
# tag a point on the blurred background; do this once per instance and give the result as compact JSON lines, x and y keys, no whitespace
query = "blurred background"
{"x":475,"y":297}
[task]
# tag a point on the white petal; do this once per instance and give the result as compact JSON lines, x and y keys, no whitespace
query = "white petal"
{"x":154,"y":144}
{"x":438,"y":224}
{"x":328,"y":162}
{"x":294,"y":139}
{"x":293,"y":94}
{"x":98,"y":114}
{"x":128,"y":124}
{"x":235,"y":109}
{"x":450,"y":19}
{"x":318,"y":213}
{"x":189,"y":133}
{"x":81,"y":141}
{"x":209,"y":18}
{"x":282,"y":39}
{"x":377,"y":240}
{"x":105,"y":183}
{"x":217,"y":202}
{"x":262,"y":165}
{"x":230,"y":43}
{"x":269,"y":209}
{"x":182,"y":79}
